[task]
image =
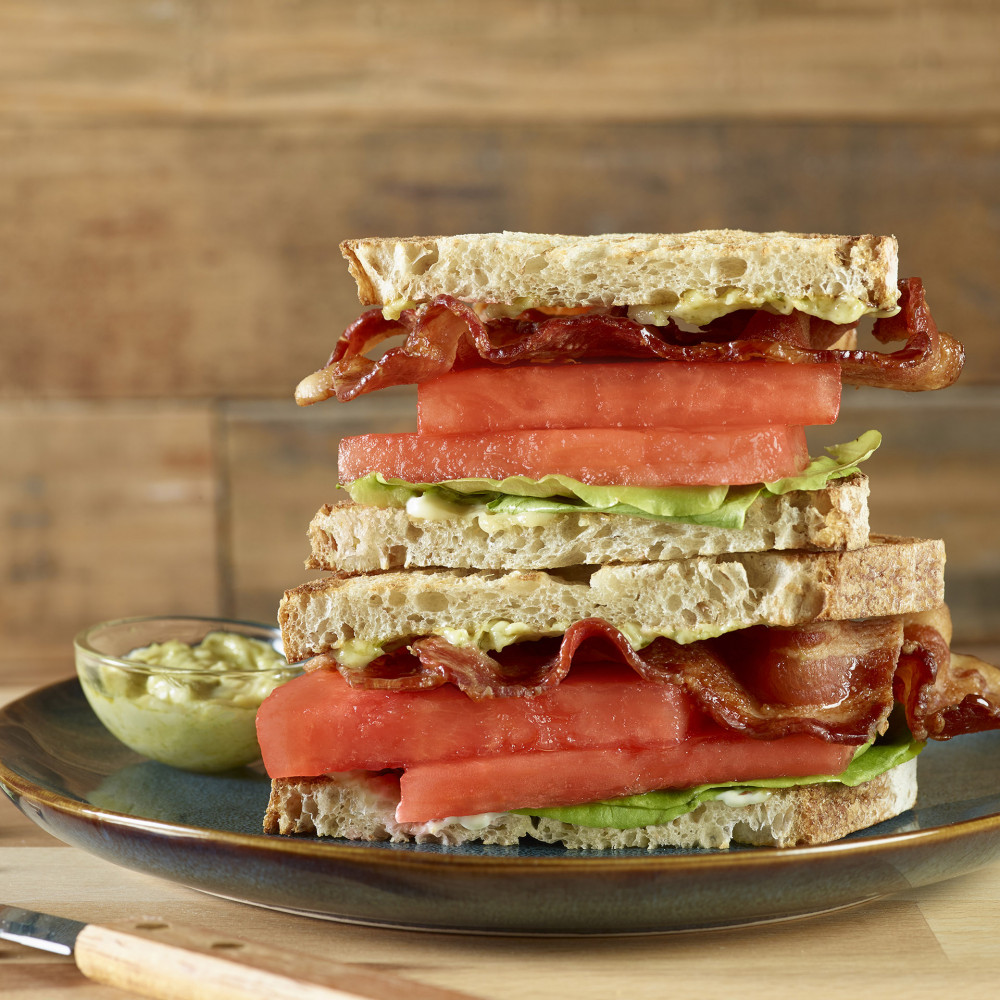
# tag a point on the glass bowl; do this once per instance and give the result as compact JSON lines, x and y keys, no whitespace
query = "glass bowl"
{"x":189,"y":715}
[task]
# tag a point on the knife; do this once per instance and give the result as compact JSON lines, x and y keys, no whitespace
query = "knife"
{"x":156,"y":958}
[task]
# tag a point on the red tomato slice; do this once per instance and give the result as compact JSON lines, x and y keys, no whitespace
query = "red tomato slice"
{"x":600,"y":456}
{"x":571,"y":777}
{"x":629,"y":394}
{"x":318,"y":723}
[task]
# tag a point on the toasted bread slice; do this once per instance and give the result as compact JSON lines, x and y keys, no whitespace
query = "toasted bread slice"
{"x":692,"y":276}
{"x":686,"y":598}
{"x":348,"y":806}
{"x":351,"y":538}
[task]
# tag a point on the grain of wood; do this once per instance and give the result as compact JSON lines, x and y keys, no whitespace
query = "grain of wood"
{"x":105,"y":511}
{"x":391,"y":61}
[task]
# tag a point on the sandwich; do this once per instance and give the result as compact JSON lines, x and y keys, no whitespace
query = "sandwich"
{"x":603,"y":596}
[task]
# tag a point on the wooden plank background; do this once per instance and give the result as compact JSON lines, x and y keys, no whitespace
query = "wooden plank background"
{"x":175,"y":177}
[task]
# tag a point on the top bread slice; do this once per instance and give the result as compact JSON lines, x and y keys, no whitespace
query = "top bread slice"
{"x":676,"y":273}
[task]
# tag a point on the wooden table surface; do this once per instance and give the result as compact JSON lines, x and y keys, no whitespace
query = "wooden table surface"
{"x":918,"y":943}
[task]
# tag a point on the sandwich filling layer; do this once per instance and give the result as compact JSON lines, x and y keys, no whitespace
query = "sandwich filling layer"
{"x":578,"y":727}
{"x":716,"y":506}
{"x":362,"y":806}
{"x":448,"y":335}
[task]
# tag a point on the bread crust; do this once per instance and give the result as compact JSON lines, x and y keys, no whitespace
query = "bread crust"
{"x":698,"y":595}
{"x":350,"y":538}
{"x":630,"y":269}
{"x":348,"y":806}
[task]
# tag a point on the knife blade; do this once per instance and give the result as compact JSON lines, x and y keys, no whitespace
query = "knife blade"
{"x":39,"y":930}
{"x":167,"y":961}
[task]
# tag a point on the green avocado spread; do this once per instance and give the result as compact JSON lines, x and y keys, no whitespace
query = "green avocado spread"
{"x":195,"y":708}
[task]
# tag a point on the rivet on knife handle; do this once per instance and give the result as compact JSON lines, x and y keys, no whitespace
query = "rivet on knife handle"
{"x":158,"y":959}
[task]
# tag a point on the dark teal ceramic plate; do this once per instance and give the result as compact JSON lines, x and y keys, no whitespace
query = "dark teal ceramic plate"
{"x":65,"y":772}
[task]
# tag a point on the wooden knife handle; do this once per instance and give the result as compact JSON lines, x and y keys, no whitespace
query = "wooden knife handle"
{"x":155,"y":958}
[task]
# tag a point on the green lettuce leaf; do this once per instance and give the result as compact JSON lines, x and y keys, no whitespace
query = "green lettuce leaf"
{"x":657,"y":808}
{"x":716,"y":506}
{"x":839,"y":457}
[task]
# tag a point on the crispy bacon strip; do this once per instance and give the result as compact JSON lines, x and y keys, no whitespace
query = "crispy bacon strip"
{"x":831,"y":679}
{"x":447,"y":335}
{"x":945,"y":694}
{"x":930,"y":359}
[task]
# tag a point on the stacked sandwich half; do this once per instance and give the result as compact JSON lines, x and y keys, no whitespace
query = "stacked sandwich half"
{"x":603,"y":596}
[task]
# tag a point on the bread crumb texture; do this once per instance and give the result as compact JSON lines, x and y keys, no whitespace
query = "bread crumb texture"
{"x":667,"y":271}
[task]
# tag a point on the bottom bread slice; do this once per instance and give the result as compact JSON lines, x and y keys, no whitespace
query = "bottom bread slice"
{"x":361,"y":806}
